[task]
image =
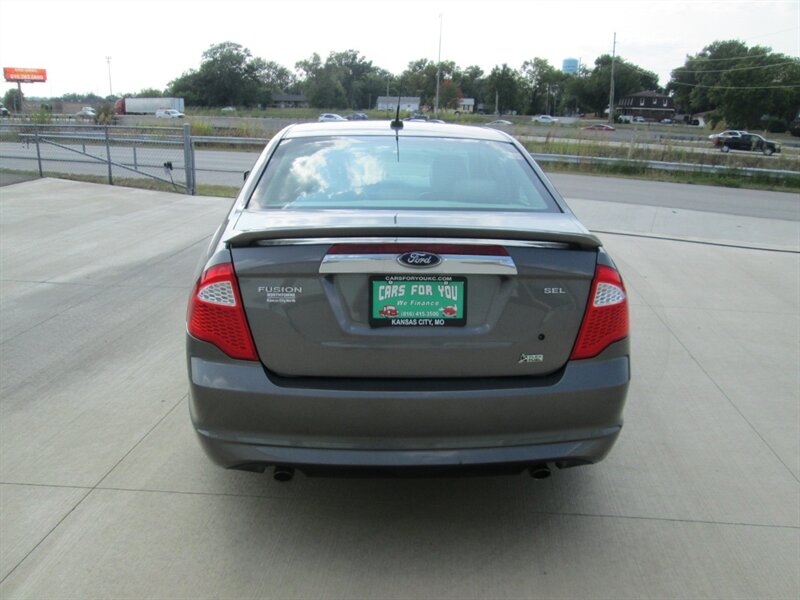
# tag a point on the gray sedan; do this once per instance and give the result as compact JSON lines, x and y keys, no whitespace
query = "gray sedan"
{"x":405,"y":297}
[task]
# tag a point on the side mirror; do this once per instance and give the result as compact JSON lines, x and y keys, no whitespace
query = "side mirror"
{"x":246,"y":173}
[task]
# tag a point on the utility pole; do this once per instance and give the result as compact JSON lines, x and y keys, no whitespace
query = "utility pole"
{"x":110,"y":90}
{"x":611,"y":92}
{"x":438,"y":70}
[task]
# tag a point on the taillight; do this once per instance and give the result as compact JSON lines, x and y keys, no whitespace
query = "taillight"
{"x":216,"y":314}
{"x":606,"y":317}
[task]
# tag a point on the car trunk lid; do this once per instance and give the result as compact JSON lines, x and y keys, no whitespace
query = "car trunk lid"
{"x":501,"y":302}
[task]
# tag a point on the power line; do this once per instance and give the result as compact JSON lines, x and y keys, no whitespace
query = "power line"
{"x":732,"y":87}
{"x":650,"y":74}
{"x":743,"y":57}
{"x":790,"y":62}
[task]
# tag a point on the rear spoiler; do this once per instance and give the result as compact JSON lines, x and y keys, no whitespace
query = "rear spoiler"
{"x":583,"y":241}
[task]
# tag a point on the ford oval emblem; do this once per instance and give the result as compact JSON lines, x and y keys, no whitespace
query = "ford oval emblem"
{"x":419,"y":259}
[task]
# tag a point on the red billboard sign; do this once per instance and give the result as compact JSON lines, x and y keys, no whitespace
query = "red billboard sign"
{"x":24,"y":75}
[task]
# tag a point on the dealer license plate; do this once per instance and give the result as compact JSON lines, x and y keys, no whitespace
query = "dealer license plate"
{"x":417,"y":301}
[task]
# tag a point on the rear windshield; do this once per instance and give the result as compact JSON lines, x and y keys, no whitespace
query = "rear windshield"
{"x":378,"y":172}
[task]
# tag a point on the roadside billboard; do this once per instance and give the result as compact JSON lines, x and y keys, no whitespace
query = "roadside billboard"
{"x":19,"y":75}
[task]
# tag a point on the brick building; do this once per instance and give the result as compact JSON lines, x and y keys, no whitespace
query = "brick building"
{"x":650,"y":105}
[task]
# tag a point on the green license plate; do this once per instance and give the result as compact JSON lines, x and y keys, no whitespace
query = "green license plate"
{"x":417,"y":301}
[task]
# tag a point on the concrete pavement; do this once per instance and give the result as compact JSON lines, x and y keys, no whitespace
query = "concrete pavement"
{"x":104,"y":491}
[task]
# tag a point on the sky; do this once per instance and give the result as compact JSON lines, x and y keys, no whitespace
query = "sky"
{"x":151,"y":42}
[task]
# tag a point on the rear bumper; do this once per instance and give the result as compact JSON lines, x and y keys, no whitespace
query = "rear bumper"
{"x":246,"y":417}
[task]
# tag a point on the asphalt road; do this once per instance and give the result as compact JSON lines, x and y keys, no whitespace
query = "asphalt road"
{"x":219,"y":167}
{"x":709,"y":199}
{"x":105,"y":493}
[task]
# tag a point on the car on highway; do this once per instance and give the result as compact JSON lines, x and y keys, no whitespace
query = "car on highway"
{"x":420,"y":118}
{"x":404,"y":297}
{"x":728,"y":133}
{"x":169,"y":113}
{"x":87,"y":112}
{"x":4,"y":111}
{"x":499,"y":123}
{"x":599,"y":127}
{"x":357,"y":116}
{"x":544,"y":119}
{"x":744,"y":140}
{"x":330,"y":118}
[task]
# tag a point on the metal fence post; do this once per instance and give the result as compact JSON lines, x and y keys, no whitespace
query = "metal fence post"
{"x":135,"y":162}
{"x":188,"y":159}
{"x":38,"y":150}
{"x":108,"y":156}
{"x":194,"y":167}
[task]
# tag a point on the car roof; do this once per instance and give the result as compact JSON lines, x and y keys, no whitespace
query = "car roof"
{"x":410,"y":128}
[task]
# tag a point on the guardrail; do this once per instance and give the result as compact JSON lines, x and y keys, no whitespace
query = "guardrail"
{"x":657,"y":165}
{"x":161,"y":152}
{"x":235,"y":141}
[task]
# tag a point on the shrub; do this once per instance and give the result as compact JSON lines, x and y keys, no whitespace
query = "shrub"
{"x":776,"y":125}
{"x":42,"y":117}
{"x":104,"y":114}
{"x":202,"y":128}
{"x":714,"y":119}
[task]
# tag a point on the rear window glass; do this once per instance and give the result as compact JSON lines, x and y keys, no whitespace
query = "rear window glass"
{"x":378,"y":172}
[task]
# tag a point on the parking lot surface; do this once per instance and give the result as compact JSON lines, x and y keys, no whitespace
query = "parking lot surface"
{"x":105,"y":493}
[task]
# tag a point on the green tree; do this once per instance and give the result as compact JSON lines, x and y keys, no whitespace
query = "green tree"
{"x":149,"y":93}
{"x":473,"y":83}
{"x":321,"y":83}
{"x":352,"y":70}
{"x":505,"y":89}
{"x":275,"y":78}
{"x":628,"y":79}
{"x":189,"y":87}
{"x":419,"y":79}
{"x":89,"y":98}
{"x":345,"y":80}
{"x":543,"y":85}
{"x":449,"y":94}
{"x":576,"y":90}
{"x":744,"y":86}
{"x":228,"y":75}
{"x":375,"y":84}
{"x":12,"y":100}
{"x":690,"y":84}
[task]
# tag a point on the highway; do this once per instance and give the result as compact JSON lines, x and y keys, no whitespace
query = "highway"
{"x":221,"y":167}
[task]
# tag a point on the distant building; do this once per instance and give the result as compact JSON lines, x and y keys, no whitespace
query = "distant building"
{"x":570,"y":66}
{"x":407,"y":103}
{"x":466,"y":105}
{"x":653,"y":106}
{"x":289,"y":101}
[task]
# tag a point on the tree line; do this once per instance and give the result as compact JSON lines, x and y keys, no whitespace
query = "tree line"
{"x":727,"y":79}
{"x":744,"y":86}
{"x":230,"y":75}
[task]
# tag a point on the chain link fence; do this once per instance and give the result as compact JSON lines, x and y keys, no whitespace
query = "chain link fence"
{"x":102,"y":153}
